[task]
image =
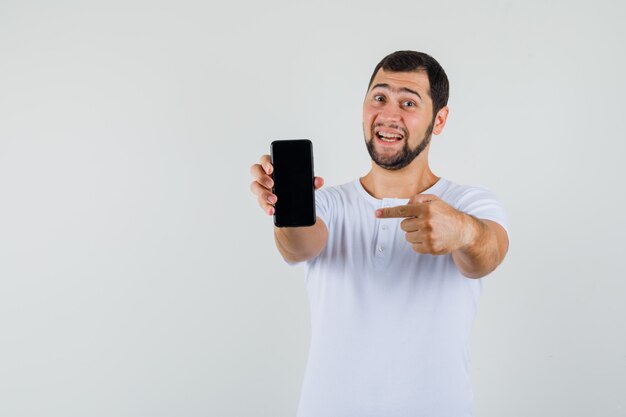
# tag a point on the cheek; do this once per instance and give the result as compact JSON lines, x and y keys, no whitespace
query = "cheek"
{"x":415,"y":126}
{"x":369,"y":116}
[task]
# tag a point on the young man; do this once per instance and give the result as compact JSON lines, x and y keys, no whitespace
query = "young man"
{"x":392,"y":261}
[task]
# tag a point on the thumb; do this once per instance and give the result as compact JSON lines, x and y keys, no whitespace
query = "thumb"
{"x":318,"y":182}
{"x":422,"y":198}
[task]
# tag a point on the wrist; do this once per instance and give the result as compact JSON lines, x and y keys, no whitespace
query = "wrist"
{"x":470,"y":231}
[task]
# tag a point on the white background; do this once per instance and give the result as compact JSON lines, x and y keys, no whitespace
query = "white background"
{"x":138,"y":276}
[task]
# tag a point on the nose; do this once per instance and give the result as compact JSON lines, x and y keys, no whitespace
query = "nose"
{"x":389,"y":113}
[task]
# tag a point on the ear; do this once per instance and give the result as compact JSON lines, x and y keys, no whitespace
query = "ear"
{"x":440,"y":120}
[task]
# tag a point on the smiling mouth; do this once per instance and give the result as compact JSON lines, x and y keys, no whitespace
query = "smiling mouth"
{"x":388,"y":137}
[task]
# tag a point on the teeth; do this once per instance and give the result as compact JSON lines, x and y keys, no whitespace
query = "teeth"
{"x":389,"y":135}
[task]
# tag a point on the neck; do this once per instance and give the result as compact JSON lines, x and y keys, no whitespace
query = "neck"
{"x":403,"y":183}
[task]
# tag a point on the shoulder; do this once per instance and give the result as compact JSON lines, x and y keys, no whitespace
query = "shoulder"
{"x":464,"y":196}
{"x":337,"y":193}
{"x":333,"y":203}
{"x":478,"y":201}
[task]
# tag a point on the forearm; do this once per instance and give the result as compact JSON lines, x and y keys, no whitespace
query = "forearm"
{"x":297,"y":244}
{"x":480,"y":253}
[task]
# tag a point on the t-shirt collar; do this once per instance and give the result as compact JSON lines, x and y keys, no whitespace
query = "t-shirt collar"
{"x":433,"y":189}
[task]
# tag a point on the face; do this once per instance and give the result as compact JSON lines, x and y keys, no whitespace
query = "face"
{"x":398,"y":118}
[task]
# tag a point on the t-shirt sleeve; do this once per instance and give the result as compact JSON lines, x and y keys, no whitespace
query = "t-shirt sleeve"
{"x":322,"y":211}
{"x":323,"y":205}
{"x":481,"y":203}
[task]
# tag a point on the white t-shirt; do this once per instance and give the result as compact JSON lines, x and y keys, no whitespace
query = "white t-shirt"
{"x":389,"y":327}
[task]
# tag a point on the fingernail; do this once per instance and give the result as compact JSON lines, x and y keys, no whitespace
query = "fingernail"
{"x":271,"y":199}
{"x":378,"y":213}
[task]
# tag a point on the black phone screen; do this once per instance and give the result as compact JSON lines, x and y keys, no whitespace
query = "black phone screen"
{"x":293,"y":182}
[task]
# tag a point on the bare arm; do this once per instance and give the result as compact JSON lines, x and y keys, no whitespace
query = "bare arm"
{"x":295,"y":244}
{"x":487,"y":244}
{"x":432,"y":226}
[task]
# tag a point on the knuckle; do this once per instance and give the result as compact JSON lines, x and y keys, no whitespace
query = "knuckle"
{"x":266,"y":163}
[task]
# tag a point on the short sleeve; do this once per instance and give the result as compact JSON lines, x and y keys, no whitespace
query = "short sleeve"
{"x":322,"y":205}
{"x":322,"y":210}
{"x":481,"y":203}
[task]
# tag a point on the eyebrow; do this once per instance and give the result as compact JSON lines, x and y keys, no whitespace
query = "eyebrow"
{"x":388,"y":87}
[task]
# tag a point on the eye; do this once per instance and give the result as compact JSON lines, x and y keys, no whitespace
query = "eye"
{"x":378,"y":97}
{"x":409,"y":103}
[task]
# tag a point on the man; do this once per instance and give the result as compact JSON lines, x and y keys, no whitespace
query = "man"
{"x":393,"y":261}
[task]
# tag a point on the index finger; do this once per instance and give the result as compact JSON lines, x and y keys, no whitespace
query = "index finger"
{"x":397,"y":212}
{"x":266,"y":163}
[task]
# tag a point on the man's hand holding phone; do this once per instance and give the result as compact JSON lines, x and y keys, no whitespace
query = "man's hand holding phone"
{"x":295,"y":244}
{"x":263,"y":183}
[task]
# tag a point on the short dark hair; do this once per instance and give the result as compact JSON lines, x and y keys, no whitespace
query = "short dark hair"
{"x":407,"y":61}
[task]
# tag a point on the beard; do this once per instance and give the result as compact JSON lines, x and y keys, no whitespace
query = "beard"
{"x":403,"y":157}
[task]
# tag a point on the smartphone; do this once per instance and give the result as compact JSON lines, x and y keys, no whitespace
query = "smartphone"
{"x":293,"y":182}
